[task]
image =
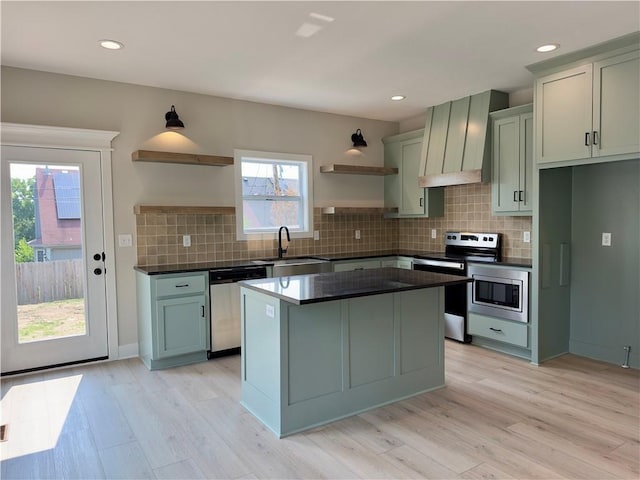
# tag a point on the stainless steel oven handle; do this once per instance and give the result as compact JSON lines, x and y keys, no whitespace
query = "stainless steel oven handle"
{"x":440,"y":263}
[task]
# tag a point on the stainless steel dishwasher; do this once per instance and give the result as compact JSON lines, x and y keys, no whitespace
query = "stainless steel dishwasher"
{"x":225,"y":306}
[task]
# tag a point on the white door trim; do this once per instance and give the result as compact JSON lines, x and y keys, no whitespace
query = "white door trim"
{"x":23,"y":135}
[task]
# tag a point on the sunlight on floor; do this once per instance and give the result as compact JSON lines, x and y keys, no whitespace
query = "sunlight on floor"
{"x":36,"y":414}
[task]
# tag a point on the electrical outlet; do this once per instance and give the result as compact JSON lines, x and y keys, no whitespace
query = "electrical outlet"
{"x":526,"y":237}
{"x":606,"y":239}
{"x":125,"y":240}
{"x":433,"y":233}
{"x":357,"y":234}
{"x":270,"y":311}
{"x":316,"y":234}
{"x":186,"y":240}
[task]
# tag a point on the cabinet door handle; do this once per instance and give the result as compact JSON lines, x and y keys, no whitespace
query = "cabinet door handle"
{"x":586,"y":139}
{"x":495,"y":329}
{"x":515,"y":195}
{"x":595,"y":137}
{"x":202,"y":306}
{"x":421,"y":201}
{"x":182,"y":286}
{"x":520,"y":196}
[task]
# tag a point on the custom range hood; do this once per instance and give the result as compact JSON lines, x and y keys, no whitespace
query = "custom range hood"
{"x":456,"y":147}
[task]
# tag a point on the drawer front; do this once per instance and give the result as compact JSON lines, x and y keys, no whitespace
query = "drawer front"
{"x":498,"y":329}
{"x":180,"y":285}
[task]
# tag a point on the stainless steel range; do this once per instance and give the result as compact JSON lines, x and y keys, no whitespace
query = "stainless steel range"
{"x":460,"y":247}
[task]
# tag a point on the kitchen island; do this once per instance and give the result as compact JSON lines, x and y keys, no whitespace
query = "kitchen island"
{"x":317,"y":348}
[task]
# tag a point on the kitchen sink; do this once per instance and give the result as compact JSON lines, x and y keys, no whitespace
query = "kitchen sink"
{"x":296,"y":266}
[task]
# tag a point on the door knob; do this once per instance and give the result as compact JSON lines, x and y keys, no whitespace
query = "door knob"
{"x":97,"y":271}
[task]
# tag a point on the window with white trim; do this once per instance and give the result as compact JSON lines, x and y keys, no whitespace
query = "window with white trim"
{"x":273,"y":189}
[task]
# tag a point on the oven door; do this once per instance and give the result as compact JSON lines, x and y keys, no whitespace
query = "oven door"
{"x":499,"y":296}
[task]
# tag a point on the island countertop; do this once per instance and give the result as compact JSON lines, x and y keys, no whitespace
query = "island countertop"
{"x":324,"y":287}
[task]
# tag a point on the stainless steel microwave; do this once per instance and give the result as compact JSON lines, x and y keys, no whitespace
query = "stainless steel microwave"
{"x":497,"y":292}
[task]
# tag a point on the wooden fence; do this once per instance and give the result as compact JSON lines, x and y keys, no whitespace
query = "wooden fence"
{"x":39,"y":282}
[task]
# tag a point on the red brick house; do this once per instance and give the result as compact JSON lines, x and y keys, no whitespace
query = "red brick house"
{"x":57,"y":215}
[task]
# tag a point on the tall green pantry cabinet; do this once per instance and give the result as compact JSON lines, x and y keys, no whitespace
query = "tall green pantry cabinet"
{"x":173,"y":318}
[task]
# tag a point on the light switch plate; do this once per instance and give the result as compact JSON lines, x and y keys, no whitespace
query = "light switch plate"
{"x":606,"y":239}
{"x":125,"y":240}
{"x":186,"y":240}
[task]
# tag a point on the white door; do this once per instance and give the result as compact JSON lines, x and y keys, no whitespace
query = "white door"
{"x":52,"y":275}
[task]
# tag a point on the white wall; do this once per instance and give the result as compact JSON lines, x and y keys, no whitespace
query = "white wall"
{"x":213,"y":126}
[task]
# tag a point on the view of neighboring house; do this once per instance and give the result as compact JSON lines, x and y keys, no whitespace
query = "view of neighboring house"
{"x":57,"y":212}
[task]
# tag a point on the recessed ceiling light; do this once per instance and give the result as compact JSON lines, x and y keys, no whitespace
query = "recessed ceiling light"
{"x":324,"y":18}
{"x":397,"y":98}
{"x":550,"y":47}
{"x":307,"y":30}
{"x":111,"y":44}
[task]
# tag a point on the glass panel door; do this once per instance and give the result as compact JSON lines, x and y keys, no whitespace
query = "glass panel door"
{"x":53,"y":290}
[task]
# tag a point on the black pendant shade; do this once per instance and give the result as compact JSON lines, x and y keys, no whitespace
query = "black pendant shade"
{"x":173,"y":121}
{"x":358,"y":140}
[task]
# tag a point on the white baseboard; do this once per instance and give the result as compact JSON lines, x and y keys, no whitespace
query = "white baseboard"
{"x":128,"y":351}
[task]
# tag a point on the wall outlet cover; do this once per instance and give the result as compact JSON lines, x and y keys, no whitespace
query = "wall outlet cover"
{"x":125,"y":240}
{"x":606,"y":239}
{"x":270,"y":311}
{"x":186,"y":240}
{"x":434,"y":233}
{"x":316,"y":234}
{"x":526,"y":237}
{"x":357,"y":234}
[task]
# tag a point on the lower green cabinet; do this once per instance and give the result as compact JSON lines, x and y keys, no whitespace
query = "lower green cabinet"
{"x":173,"y":319}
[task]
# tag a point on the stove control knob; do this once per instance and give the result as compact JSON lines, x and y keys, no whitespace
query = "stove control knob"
{"x":484,"y":239}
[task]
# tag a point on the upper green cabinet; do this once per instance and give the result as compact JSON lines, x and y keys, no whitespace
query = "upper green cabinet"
{"x":402,"y":191}
{"x":591,"y":110}
{"x":512,"y":160}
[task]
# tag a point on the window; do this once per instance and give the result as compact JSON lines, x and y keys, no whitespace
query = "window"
{"x":273,"y":189}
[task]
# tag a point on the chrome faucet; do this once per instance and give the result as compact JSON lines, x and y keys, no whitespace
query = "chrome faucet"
{"x":282,"y":251}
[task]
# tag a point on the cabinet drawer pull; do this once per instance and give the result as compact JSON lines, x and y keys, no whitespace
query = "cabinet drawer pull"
{"x":586,"y":139}
{"x":182,"y":286}
{"x":595,"y":137}
{"x":495,"y":329}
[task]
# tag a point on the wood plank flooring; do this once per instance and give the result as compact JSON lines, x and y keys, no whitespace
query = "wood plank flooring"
{"x":498,"y":417}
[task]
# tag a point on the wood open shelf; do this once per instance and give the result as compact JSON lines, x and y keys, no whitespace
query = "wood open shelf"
{"x":183,"y":209}
{"x":357,"y":170}
{"x":182,"y":158}
{"x":357,"y":210}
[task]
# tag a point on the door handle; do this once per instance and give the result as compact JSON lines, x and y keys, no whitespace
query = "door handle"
{"x":520,"y":192}
{"x":595,"y":137}
{"x":99,"y":256}
{"x":586,"y":139}
{"x":97,"y":271}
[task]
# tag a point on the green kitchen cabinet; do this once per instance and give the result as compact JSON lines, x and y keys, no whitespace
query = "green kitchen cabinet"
{"x":401,"y":191}
{"x":173,"y":319}
{"x":512,"y":161}
{"x":346,"y":266}
{"x":589,"y":111}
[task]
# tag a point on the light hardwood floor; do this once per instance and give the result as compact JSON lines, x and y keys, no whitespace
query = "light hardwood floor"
{"x":498,"y":417}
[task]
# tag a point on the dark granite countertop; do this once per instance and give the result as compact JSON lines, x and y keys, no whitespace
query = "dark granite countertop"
{"x":204,"y":266}
{"x":324,"y":287}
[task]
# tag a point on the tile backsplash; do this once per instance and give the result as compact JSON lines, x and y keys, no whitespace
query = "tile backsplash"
{"x":213,"y":237}
{"x":466,"y":208}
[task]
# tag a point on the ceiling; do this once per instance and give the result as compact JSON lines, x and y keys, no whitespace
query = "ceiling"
{"x":429,"y":51}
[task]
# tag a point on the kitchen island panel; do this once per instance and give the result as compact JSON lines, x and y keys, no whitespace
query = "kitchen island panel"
{"x":371,"y":339}
{"x":316,"y":372}
{"x":315,"y":350}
